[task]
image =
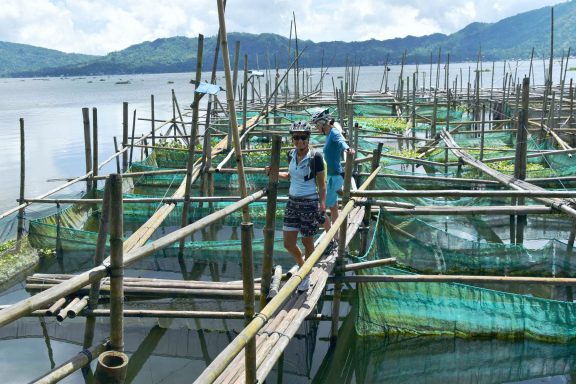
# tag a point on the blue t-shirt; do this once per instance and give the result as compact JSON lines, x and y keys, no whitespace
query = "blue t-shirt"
{"x":302,"y":176}
{"x":333,"y":148}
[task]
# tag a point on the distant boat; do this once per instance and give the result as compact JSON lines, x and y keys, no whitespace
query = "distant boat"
{"x":123,"y":82}
{"x":170,"y":82}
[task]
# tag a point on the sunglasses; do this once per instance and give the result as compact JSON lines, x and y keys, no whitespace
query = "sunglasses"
{"x":298,"y":137}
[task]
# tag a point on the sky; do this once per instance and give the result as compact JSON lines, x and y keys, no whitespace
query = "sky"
{"x":101,"y":26}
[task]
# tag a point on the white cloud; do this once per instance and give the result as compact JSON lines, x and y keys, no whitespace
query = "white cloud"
{"x":99,"y":27}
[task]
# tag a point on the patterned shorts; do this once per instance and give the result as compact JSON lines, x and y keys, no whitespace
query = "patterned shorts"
{"x":303,"y":215}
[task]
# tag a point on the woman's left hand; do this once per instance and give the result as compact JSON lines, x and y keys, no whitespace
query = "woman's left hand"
{"x":322,"y":207}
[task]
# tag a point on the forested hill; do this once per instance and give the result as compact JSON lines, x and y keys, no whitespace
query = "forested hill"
{"x":20,"y":57}
{"x":510,"y":38}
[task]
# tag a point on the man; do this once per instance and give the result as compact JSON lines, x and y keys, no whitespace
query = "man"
{"x":334,"y":146}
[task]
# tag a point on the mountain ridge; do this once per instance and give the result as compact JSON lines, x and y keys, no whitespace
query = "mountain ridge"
{"x":510,"y":38}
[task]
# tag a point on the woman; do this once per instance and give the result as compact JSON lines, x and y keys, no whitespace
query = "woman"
{"x":306,"y":205}
{"x":333,"y":147}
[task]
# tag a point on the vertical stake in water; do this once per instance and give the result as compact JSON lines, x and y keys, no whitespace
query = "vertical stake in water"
{"x":244,"y":96}
{"x":248,"y":285}
{"x":234,"y":84}
{"x":340,"y":261}
{"x":571,"y":103}
{"x":132,"y":137}
{"x":521,"y":150}
{"x":191,"y":144}
{"x":368,"y":209}
{"x":413,"y":110}
{"x":87,"y":146}
{"x":482,"y":127}
{"x":232,"y":109}
{"x":116,"y":264}
{"x":117,"y":157}
{"x":236,"y":66}
{"x":152,"y":120}
{"x":95,"y":146}
{"x":112,"y":365}
{"x":434,"y":113}
{"x":551,"y":63}
{"x":98,"y":258}
{"x":269,"y":228}
{"x":124,"y":136}
{"x":21,"y":212}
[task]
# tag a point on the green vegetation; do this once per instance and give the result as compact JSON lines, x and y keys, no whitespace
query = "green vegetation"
{"x":21,"y":57}
{"x":7,"y":245}
{"x":508,"y":166}
{"x":14,"y":262}
{"x":407,"y":153}
{"x":384,"y":124}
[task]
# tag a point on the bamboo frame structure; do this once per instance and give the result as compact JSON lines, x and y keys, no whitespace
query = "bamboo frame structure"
{"x":65,"y":296}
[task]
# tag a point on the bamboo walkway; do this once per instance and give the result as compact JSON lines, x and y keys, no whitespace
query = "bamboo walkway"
{"x":274,"y":337}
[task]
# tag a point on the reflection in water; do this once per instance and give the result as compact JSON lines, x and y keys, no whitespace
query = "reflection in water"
{"x":443,"y":360}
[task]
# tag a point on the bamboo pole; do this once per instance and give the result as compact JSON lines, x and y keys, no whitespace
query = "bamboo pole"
{"x":464,"y":193}
{"x":244,"y":97}
{"x":152,"y":120}
{"x":192,"y":142}
{"x":340,"y":260}
{"x":21,"y":212}
{"x":236,"y":63}
{"x":487,"y":210}
{"x":65,"y":369}
{"x":248,"y":278}
{"x":215,"y":369}
{"x":116,"y":155}
{"x":116,"y":264}
{"x":124,"y":136}
{"x":75,"y":309}
{"x":459,"y":279}
{"x":507,"y":180}
{"x":270,"y":226}
{"x":132,"y":282}
{"x":522,"y":134}
{"x":275,"y":285}
{"x":87,"y":145}
{"x":369,"y":264}
{"x":151,"y":200}
{"x":482,"y":130}
{"x":132,"y":137}
{"x":232,"y":109}
{"x":183,"y":133}
{"x":63,"y":314}
{"x":94,"y":147}
{"x":44,"y":298}
{"x":98,"y":258}
{"x":368,"y":211}
{"x":144,"y":292}
{"x":111,"y":368}
{"x":54,"y":308}
{"x":550,"y":65}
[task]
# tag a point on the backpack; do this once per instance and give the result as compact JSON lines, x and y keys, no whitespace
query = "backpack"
{"x":314,"y":156}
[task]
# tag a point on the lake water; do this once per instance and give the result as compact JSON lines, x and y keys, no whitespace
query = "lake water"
{"x":174,"y":352}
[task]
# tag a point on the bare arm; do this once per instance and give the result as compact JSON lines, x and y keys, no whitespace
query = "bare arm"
{"x":321,"y":183}
{"x":281,"y":175}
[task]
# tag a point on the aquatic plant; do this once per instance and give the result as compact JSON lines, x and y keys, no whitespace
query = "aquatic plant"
{"x":384,"y":124}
